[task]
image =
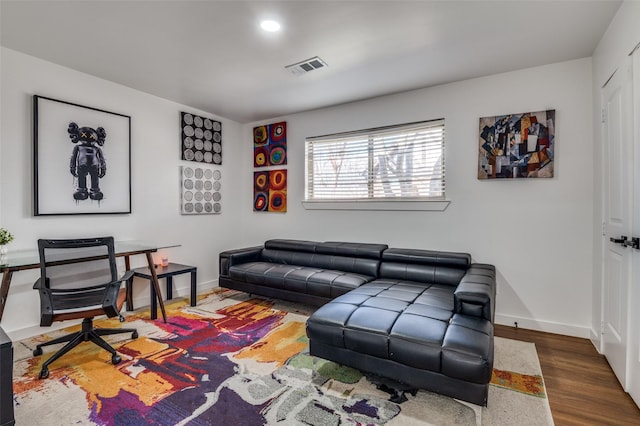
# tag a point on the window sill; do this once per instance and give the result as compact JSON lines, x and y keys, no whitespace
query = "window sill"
{"x":396,"y":205}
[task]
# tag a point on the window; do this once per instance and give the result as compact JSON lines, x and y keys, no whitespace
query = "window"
{"x":396,"y":163}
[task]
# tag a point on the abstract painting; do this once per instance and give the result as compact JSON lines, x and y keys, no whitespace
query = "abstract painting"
{"x":517,"y":145}
{"x":270,"y":191}
{"x":82,"y":159}
{"x":201,"y":139}
{"x":200,"y":190}
{"x":270,"y":145}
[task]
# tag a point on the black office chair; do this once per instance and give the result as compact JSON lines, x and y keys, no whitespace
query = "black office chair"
{"x":79,"y":279}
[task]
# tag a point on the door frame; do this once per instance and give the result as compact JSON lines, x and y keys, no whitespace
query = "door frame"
{"x":633,"y":349}
{"x":626,"y":71}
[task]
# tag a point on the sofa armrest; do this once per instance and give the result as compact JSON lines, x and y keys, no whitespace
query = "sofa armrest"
{"x":236,"y":257}
{"x":476,"y":293}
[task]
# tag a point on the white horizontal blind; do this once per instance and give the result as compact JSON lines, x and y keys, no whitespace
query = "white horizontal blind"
{"x":397,"y":162}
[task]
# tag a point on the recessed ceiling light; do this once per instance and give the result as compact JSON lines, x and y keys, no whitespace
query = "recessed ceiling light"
{"x":271,"y":26}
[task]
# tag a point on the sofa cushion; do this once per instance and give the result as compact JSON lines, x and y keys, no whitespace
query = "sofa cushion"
{"x":291,"y":245}
{"x":304,"y":279}
{"x":424,"y":266}
{"x":358,"y":258}
{"x":467,"y":349}
{"x":362,"y":250}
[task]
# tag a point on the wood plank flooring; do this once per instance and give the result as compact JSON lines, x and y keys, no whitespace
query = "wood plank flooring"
{"x":581,"y":387}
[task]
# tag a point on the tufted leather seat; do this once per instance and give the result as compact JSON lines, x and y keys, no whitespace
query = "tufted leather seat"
{"x":303,"y":279}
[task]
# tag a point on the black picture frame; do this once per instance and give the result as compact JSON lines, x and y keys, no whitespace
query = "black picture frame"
{"x":83,"y":168}
{"x":200,"y":139}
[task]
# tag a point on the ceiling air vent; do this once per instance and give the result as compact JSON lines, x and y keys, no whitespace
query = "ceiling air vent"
{"x":306,"y":66}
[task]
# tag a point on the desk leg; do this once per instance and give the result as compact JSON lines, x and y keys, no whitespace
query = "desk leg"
{"x":129,"y":285}
{"x":156,"y":285}
{"x":193,"y":288}
{"x":4,"y":290}
{"x":154,"y":301}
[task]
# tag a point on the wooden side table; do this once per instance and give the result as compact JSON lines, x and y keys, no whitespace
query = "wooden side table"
{"x":167,"y":272}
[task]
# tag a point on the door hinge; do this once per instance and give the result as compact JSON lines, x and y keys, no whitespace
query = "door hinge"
{"x":604,"y":115}
{"x":604,"y":229}
{"x":601,"y":327}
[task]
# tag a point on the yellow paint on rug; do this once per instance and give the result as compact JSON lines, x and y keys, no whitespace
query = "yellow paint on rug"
{"x":524,"y":383}
{"x":254,"y":308}
{"x":90,"y":368}
{"x":278,"y":346}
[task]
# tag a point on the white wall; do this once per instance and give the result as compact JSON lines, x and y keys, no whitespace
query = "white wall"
{"x":156,"y":163}
{"x":619,"y":40}
{"x":536,"y":232}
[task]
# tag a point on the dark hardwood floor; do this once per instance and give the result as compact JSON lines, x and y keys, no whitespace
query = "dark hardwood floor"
{"x":581,"y":387}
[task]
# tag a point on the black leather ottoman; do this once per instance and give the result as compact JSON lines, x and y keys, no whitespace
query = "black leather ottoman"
{"x":407,"y":332}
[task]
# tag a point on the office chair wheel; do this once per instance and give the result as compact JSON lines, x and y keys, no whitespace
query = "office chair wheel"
{"x":37,"y":352}
{"x":44,"y":373}
{"x":134,"y":335}
{"x":121,"y":318}
{"x":115,"y":359}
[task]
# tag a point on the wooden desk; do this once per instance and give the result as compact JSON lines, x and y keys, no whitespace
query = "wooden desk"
{"x":21,"y":260}
{"x":167,"y":272}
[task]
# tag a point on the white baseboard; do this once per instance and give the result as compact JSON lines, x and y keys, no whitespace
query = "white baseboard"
{"x":545,"y":326}
{"x":595,"y":339}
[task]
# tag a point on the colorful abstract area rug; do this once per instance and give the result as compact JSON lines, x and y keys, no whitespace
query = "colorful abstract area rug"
{"x":237,"y":360}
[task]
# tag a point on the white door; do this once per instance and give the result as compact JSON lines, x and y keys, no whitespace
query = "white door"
{"x":618,"y":198}
{"x":634,"y":325}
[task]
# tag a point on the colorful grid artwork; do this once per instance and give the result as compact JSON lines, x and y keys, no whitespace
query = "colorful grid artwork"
{"x":201,"y":139}
{"x":270,"y":145}
{"x":517,"y":145}
{"x":200,"y":190}
{"x":270,"y":191}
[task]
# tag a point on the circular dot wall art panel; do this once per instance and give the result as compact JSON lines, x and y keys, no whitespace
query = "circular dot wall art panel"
{"x":270,"y":145}
{"x":270,"y":191}
{"x":200,"y":189}
{"x":201,"y":139}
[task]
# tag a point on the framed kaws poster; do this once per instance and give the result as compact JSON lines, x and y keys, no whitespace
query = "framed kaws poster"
{"x":82,"y":159}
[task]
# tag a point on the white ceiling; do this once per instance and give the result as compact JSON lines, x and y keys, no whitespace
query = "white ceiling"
{"x":213,"y":56}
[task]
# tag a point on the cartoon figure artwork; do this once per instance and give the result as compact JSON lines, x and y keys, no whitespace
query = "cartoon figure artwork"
{"x":87,"y":160}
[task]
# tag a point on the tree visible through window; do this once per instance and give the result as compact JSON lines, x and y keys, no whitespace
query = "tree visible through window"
{"x":397,"y":162}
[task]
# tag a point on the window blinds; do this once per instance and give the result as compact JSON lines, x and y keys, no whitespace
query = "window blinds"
{"x":397,"y":162}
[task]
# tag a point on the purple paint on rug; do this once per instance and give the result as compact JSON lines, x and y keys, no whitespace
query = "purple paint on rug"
{"x":362,"y":407}
{"x":124,"y":409}
{"x":231,"y":409}
{"x":192,"y":356}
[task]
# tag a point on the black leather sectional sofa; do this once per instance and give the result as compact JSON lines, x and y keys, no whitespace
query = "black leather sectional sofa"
{"x":422,"y":318}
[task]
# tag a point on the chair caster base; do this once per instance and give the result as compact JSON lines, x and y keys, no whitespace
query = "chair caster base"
{"x":115,"y":359}
{"x":37,"y":352}
{"x":44,"y":373}
{"x":134,"y":335}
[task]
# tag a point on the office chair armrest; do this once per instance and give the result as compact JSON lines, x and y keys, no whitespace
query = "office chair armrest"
{"x":126,"y":277}
{"x":39,"y":284}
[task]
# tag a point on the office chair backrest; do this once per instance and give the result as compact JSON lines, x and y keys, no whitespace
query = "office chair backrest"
{"x":77,"y":271}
